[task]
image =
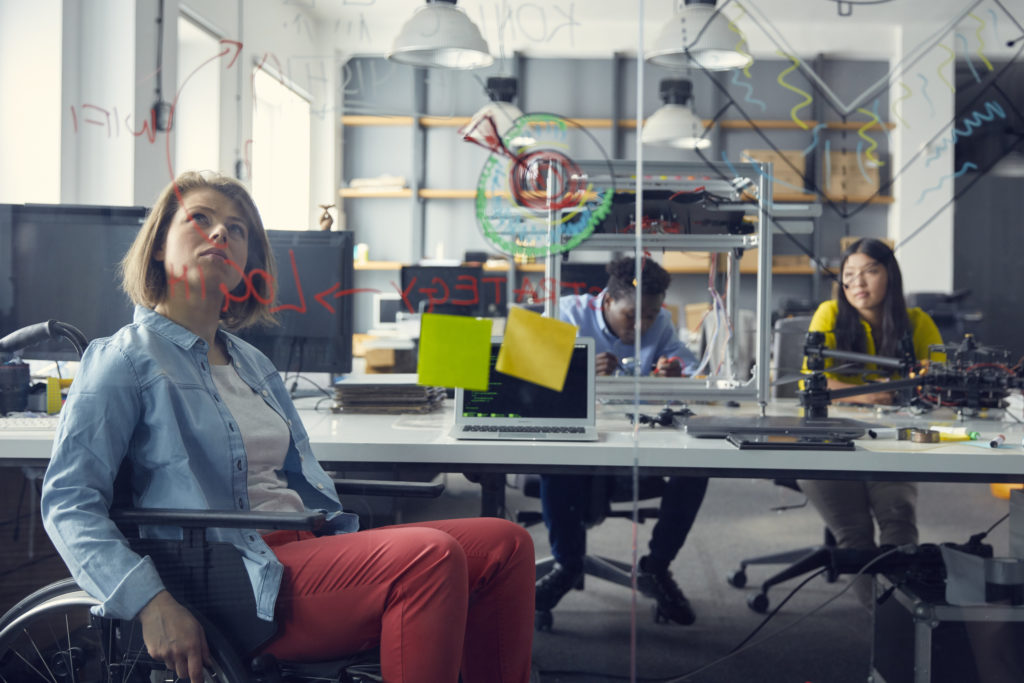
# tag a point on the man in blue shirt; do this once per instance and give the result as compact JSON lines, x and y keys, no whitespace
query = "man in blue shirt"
{"x":609,"y":317}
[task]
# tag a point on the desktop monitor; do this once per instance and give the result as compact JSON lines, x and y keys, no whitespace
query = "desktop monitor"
{"x":452,"y":290}
{"x":314,"y":303}
{"x":63,"y":262}
{"x":386,"y":307}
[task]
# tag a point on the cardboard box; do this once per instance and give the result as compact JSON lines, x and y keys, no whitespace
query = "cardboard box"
{"x":387,"y":360}
{"x":788,"y":168}
{"x":695,"y":314}
{"x":686,"y":261}
{"x":844,"y":177}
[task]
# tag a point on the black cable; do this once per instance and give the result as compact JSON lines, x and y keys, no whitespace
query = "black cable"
{"x":321,"y":389}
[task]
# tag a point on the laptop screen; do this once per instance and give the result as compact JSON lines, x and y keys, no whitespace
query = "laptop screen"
{"x":507,"y":396}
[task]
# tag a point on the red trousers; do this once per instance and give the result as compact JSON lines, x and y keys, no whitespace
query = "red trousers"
{"x":437,"y":597}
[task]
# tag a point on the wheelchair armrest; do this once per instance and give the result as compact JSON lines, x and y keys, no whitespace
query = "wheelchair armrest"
{"x":376,"y":487}
{"x":234,"y":519}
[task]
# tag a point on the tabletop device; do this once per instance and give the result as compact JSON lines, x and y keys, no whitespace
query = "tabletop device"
{"x":314,"y":304}
{"x":721,"y":427}
{"x":63,"y":263}
{"x":789,"y":442}
{"x":963,"y":375}
{"x":512,"y":408}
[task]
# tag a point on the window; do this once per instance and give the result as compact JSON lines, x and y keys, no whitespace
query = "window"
{"x":196,"y":123}
{"x":30,"y":111}
{"x":280,"y":154}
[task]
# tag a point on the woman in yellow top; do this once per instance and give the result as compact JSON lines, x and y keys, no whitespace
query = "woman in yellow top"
{"x":869,"y":315}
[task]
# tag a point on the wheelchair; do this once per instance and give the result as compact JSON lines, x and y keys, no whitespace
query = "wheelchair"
{"x":52,"y":636}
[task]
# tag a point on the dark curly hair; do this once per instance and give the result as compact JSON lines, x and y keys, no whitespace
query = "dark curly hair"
{"x":654,"y":279}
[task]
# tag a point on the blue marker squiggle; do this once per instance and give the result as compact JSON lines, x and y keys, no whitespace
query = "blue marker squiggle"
{"x":750,"y":91}
{"x":924,"y":91}
{"x":814,"y":140}
{"x":968,"y":166}
{"x":970,"y":62}
{"x":972,"y":122}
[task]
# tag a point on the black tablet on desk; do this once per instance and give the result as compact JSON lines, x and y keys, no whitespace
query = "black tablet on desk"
{"x":789,"y":442}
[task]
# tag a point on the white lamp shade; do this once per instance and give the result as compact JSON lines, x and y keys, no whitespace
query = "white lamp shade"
{"x":440,"y":35}
{"x":698,"y":37}
{"x":675,"y":125}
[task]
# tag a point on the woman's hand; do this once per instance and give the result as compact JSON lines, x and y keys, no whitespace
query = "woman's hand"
{"x":174,"y":637}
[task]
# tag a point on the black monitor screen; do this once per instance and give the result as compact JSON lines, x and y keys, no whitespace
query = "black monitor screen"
{"x":314,"y":303}
{"x":533,"y":287}
{"x":508,"y":396}
{"x":453,"y":290}
{"x":63,"y":265}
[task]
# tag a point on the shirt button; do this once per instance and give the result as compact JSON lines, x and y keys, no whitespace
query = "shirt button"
{"x":252,"y":538}
{"x":266,"y":393}
{"x":320,"y":486}
{"x":231,"y":426}
{"x":238,"y":464}
{"x":216,"y":398}
{"x":241,"y":504}
{"x":289,"y":423}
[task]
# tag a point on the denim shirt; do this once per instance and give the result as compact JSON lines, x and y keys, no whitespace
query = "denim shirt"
{"x":147,"y":394}
{"x":584,"y":311}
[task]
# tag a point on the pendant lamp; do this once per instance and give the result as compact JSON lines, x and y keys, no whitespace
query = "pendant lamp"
{"x":675,"y":124}
{"x":440,"y":35}
{"x":698,"y":36}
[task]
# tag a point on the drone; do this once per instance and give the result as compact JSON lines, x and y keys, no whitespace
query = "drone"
{"x":972,"y":378}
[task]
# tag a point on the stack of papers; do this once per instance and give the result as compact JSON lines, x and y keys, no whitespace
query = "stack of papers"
{"x":386,"y":394}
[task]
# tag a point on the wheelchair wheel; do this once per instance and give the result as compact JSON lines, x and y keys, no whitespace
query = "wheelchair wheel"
{"x":51,"y":636}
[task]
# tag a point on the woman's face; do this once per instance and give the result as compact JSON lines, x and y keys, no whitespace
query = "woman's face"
{"x":207,"y":244}
{"x":864,"y":281}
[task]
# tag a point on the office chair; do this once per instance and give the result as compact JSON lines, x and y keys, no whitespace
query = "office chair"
{"x":51,"y":635}
{"x":608,"y":569}
{"x":787,"y":359}
{"x":786,"y":363}
{"x":799,"y":561}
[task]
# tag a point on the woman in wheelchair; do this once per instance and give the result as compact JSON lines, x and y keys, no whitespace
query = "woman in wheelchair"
{"x":870,"y":316}
{"x":206,"y":423}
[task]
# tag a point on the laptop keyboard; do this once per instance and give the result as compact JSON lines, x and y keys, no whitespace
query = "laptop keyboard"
{"x":523,"y":429}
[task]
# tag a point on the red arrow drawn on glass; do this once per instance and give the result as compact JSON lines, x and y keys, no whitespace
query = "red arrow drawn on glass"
{"x":331,"y":293}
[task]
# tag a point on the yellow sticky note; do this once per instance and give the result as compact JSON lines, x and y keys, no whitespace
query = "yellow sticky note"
{"x":536,"y":348}
{"x":455,"y":351}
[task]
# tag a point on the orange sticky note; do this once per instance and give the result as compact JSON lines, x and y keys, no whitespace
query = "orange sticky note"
{"x":536,"y":348}
{"x":455,"y":351}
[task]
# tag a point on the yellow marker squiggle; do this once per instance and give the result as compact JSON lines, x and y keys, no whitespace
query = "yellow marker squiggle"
{"x":981,"y":41}
{"x":952,"y":55}
{"x":742,"y":41}
{"x":870,"y":151}
{"x":798,"y":91}
{"x":907,"y":92}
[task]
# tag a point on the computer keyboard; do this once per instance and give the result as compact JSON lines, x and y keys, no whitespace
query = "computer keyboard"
{"x":35,"y":424}
{"x":523,"y":429}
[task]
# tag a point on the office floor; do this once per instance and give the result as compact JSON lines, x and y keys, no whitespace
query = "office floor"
{"x":590,"y":640}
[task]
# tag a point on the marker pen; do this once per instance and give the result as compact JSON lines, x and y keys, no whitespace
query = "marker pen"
{"x":956,"y":431}
{"x":955,"y":437}
{"x":996,"y":442}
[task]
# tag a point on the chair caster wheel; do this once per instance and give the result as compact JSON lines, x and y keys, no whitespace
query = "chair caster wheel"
{"x":542,"y":620}
{"x":737,"y":578}
{"x":758,"y":602}
{"x":659,"y":616}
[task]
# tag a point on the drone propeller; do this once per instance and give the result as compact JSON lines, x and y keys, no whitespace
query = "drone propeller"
{"x":791,"y":378}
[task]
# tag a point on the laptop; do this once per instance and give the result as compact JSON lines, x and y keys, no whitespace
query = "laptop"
{"x":514,"y":409}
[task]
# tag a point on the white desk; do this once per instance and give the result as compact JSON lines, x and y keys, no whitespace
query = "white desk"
{"x":362,"y":442}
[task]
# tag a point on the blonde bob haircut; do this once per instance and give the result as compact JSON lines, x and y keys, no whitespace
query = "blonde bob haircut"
{"x":144,"y":279}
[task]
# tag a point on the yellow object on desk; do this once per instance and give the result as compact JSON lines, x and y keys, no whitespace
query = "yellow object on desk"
{"x":55,"y":387}
{"x":1003,"y":490}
